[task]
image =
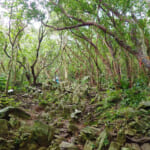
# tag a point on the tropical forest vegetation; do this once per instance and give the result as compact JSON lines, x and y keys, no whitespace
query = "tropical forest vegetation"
{"x":74,"y":74}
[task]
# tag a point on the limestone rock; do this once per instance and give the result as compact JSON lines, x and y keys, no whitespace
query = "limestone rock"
{"x":88,"y":145}
{"x":132,"y":146}
{"x":42,"y":133}
{"x":3,"y":127}
{"x":42,"y":148}
{"x":38,"y":135}
{"x":145,"y":146}
{"x":101,"y":139}
{"x":125,"y":148}
{"x":89,"y":133}
{"x":6,"y":144}
{"x":130,"y":132}
{"x":67,"y":146}
{"x":114,"y":146}
{"x":128,"y":111}
{"x":144,"y":105}
{"x":135,"y":146}
{"x":5,"y":112}
{"x":29,"y":146}
{"x":32,"y":146}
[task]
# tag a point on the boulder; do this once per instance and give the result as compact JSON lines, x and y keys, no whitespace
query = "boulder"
{"x":6,"y":144}
{"x":67,"y":146}
{"x":88,"y":145}
{"x":5,"y":112}
{"x":125,"y":148}
{"x":132,"y":146}
{"x":3,"y":127}
{"x":114,"y":146}
{"x":135,"y":146}
{"x":144,"y":105}
{"x":89,"y":133}
{"x":32,"y":146}
{"x":39,"y":134}
{"x":145,"y":146}
{"x":42,"y":133}
{"x":101,"y":140}
{"x":29,"y":146}
{"x":130,"y":132}
{"x":42,"y":148}
{"x":128,"y":111}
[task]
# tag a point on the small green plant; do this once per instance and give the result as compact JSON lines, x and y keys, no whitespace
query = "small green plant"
{"x":43,"y":102}
{"x":2,"y":82}
{"x":133,"y":96}
{"x":6,"y":101}
{"x":106,"y":141}
{"x":124,"y":83}
{"x":113,"y":95}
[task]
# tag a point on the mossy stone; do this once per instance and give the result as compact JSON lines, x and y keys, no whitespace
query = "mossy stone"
{"x":3,"y":127}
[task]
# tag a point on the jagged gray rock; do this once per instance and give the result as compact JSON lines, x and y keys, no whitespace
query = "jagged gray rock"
{"x":145,"y":146}
{"x":3,"y":127}
{"x":67,"y":146}
{"x":5,"y":112}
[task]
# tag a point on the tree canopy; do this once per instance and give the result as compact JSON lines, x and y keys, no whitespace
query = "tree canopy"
{"x":96,"y":38}
{"x":74,"y":74}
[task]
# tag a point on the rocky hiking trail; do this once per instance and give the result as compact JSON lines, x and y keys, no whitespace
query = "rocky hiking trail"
{"x":77,"y":124}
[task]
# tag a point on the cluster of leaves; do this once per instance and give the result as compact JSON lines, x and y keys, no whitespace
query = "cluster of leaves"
{"x":6,"y":101}
{"x":64,"y":92}
{"x":122,"y":99}
{"x":2,"y":82}
{"x":134,"y":95}
{"x":128,"y":96}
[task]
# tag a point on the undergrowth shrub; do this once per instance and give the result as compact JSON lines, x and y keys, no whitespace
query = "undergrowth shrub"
{"x":128,"y":96}
{"x":139,"y":92}
{"x":133,"y":96}
{"x":6,"y":101}
{"x":2,"y":82}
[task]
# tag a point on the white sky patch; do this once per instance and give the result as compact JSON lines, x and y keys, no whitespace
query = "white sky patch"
{"x":54,"y":37}
{"x":3,"y":19}
{"x":88,"y":2}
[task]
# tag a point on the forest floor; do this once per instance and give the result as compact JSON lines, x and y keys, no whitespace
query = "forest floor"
{"x":68,"y":118}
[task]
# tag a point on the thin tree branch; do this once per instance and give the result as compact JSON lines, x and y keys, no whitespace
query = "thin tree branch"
{"x":5,"y":48}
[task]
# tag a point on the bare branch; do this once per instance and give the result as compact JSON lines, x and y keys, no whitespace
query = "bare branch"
{"x":45,"y":66}
{"x":5,"y":48}
{"x":40,"y":39}
{"x":18,"y":34}
{"x":82,"y":25}
{"x":65,"y":13}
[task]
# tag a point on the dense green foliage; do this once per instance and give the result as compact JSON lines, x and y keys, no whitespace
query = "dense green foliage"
{"x":104,"y":44}
{"x":2,"y":82}
{"x":78,"y":71}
